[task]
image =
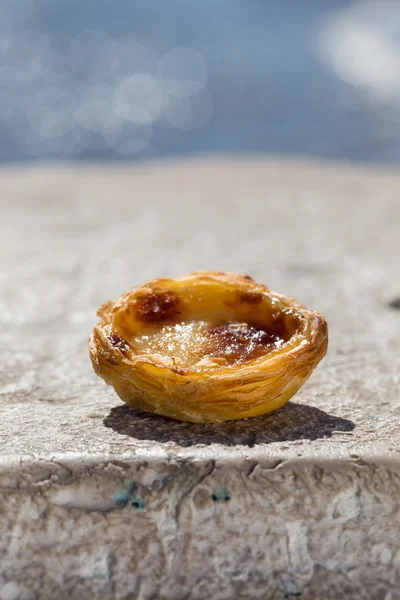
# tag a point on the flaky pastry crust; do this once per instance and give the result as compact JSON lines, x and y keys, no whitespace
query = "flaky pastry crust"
{"x":212,"y":389}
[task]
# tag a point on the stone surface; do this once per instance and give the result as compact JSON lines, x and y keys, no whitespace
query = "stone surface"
{"x":99,"y":501}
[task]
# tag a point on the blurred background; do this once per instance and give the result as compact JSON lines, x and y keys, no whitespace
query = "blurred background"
{"x":139,"y":79}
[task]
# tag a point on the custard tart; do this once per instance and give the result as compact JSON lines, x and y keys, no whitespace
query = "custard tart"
{"x":206,"y":347}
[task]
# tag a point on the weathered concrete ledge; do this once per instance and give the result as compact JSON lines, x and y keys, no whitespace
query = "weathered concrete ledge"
{"x":100,"y":501}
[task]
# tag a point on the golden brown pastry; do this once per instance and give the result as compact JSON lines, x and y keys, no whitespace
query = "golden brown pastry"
{"x":206,"y":347}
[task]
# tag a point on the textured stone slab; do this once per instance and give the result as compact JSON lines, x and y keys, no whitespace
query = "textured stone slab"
{"x":100,"y":501}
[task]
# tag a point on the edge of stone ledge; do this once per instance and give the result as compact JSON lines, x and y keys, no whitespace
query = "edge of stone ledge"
{"x":81,"y":462}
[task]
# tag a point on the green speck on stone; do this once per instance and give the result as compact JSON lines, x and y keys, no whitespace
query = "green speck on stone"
{"x":99,"y":575}
{"x":137,"y":503}
{"x":289,"y":590}
{"x":130,"y":485}
{"x":220,"y":494}
{"x":126,"y":495}
{"x":121,"y":498}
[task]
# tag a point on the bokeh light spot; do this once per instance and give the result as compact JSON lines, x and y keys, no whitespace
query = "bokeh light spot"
{"x":183,"y":71}
{"x":138,"y":99}
{"x":131,"y":57}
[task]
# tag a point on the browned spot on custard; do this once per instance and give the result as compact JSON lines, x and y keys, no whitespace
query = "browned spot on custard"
{"x":178,"y":370}
{"x":119,"y":342}
{"x":156,"y":308}
{"x":250,"y":297}
{"x":240,"y":342}
{"x":279,"y":324}
{"x":247,"y":277}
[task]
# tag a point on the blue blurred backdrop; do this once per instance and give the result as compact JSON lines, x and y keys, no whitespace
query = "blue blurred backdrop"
{"x":137,"y":79}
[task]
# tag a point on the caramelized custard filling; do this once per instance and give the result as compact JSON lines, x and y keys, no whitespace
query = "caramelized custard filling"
{"x":197,"y":343}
